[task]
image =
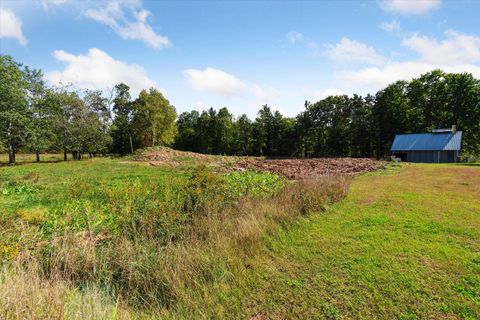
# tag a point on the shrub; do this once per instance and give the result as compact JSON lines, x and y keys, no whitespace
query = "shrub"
{"x":203,"y":192}
{"x":469,"y":158}
{"x":250,"y":183}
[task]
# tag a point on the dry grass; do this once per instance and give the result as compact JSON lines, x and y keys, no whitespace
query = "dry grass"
{"x":23,"y":295}
{"x":26,"y":295}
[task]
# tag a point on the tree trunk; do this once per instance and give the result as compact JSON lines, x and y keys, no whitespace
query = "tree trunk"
{"x":153,"y":136}
{"x":131,"y":143}
{"x":37,"y":154}
{"x":11,"y":148}
{"x":11,"y":153}
{"x":64,"y":154}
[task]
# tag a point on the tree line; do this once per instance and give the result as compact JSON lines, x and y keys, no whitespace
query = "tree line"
{"x":342,"y":125}
{"x":37,"y":118}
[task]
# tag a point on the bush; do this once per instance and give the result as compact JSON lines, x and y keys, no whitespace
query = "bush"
{"x":204,"y":191}
{"x":250,"y":183}
{"x":469,"y":158}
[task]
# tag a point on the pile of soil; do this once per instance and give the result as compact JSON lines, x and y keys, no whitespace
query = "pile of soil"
{"x":304,"y":168}
{"x":166,"y":156}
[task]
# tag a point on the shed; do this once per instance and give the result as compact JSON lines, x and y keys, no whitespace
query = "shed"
{"x":439,"y":146}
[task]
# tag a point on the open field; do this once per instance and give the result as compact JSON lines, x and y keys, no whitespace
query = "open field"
{"x":404,"y":244}
{"x":109,"y":238}
{"x":120,"y":237}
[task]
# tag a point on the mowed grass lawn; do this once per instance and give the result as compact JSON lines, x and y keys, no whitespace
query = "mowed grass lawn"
{"x":404,"y":244}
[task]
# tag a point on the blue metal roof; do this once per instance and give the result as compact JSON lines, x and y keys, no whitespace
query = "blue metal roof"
{"x":427,"y":141}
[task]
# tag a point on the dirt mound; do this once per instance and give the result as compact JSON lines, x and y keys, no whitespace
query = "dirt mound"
{"x":167,"y":156}
{"x":303,"y":168}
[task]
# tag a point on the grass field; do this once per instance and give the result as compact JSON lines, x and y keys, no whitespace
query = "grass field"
{"x":110,"y":239}
{"x":404,"y":244}
{"x":103,"y":238}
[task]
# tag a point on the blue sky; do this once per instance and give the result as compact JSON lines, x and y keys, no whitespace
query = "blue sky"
{"x":241,"y":54}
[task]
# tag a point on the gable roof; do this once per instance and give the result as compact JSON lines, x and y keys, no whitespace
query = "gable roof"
{"x":427,"y":141}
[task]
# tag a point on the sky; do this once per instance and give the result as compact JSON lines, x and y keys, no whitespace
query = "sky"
{"x":241,"y":54}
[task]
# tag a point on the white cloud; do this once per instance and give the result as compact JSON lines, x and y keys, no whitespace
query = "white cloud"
{"x":316,"y":94}
{"x":214,"y":80}
{"x":353,"y":51}
{"x":330,"y":92}
{"x":265,"y":93}
{"x":378,"y":78}
{"x":129,"y":20}
{"x":294,"y":36}
{"x":455,"y":49}
{"x":11,"y":26}
{"x":98,"y":70}
{"x":393,"y":26}
{"x":409,"y":6}
{"x":55,"y":2}
{"x":47,"y":3}
{"x":225,"y":84}
{"x":456,"y":53}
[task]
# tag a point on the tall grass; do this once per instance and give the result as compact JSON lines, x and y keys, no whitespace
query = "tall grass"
{"x":135,"y":256}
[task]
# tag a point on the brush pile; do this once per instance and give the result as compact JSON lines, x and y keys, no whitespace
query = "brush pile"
{"x":307,"y":168}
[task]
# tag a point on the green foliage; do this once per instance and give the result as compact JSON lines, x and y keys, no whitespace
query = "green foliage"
{"x":154,"y":119}
{"x":122,"y":127}
{"x":13,"y":105}
{"x":14,"y":187}
{"x":329,"y":311}
{"x":147,"y":121}
{"x":207,"y":191}
{"x":203,"y":191}
{"x":250,"y":183}
{"x":469,"y":157}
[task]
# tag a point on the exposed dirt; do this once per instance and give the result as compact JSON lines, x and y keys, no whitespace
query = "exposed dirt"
{"x":304,"y":168}
{"x":290,"y":168}
{"x":167,"y":156}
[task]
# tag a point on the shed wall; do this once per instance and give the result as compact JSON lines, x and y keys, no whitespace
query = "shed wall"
{"x":431,"y":156}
